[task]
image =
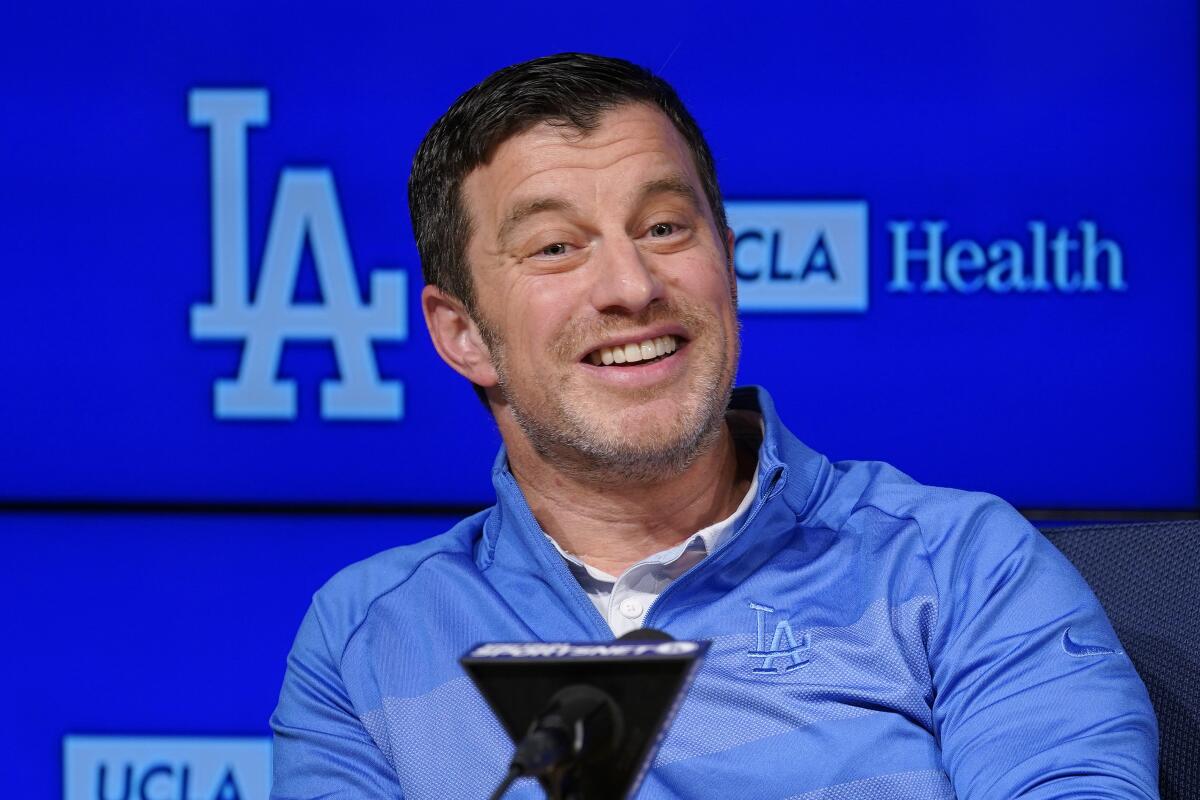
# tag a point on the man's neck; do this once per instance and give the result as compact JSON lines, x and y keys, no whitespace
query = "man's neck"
{"x":613,"y":525}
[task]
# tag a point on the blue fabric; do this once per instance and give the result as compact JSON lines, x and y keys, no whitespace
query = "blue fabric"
{"x":872,"y":638}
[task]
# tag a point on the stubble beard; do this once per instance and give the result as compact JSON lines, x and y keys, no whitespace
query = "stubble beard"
{"x":590,"y":446}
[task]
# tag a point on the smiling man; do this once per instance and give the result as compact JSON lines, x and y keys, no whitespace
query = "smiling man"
{"x":601,"y":322}
{"x":872,"y":638}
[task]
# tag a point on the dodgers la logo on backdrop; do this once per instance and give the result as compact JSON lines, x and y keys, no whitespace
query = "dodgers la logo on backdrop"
{"x":306,"y":211}
{"x":165,"y":768}
{"x":800,"y":256}
{"x":783,"y":653}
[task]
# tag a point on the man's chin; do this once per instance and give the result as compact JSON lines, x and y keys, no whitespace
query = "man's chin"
{"x":645,"y":447}
{"x":623,"y":435}
{"x":627,"y":462}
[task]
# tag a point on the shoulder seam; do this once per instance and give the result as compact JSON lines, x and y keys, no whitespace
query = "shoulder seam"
{"x":367,"y":611}
{"x":937,"y":615}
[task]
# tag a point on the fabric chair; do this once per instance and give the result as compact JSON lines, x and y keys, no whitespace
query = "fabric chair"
{"x":1147,"y":576}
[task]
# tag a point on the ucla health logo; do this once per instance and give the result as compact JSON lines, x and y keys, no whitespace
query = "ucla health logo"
{"x":811,"y":256}
{"x":800,"y":256}
{"x":165,"y":768}
{"x":306,"y":212}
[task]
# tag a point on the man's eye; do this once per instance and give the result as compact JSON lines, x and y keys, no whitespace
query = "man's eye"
{"x":556,"y":249}
{"x":662,"y":229}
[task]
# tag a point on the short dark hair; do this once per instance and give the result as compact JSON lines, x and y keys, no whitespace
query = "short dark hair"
{"x":569,"y":89}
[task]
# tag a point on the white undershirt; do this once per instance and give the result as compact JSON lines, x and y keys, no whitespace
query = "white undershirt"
{"x":624,"y":600}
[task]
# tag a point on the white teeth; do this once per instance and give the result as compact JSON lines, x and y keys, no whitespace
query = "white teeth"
{"x":634,"y":351}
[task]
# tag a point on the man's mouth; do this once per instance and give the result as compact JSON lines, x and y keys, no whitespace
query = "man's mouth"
{"x":646,"y":350}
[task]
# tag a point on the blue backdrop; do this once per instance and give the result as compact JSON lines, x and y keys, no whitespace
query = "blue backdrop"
{"x":989,"y":125}
{"x":985,"y":119}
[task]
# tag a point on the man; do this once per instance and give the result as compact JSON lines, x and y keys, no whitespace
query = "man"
{"x":871,"y":638}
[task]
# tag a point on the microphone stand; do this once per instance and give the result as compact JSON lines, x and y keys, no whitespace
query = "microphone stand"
{"x":565,"y":784}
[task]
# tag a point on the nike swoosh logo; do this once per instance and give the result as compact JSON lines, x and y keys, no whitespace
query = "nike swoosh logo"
{"x":1077,"y":650}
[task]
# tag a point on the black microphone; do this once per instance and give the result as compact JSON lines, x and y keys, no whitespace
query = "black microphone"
{"x":586,"y":717}
{"x":581,"y":724}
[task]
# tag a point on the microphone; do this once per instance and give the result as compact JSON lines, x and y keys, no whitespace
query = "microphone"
{"x":586,"y":717}
{"x":580,"y":724}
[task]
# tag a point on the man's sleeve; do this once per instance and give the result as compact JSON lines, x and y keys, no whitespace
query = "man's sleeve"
{"x":1034,"y":696}
{"x":321,"y":749}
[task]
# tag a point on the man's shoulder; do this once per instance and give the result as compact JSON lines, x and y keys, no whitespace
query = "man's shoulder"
{"x":346,"y":598}
{"x":967,"y":538}
{"x":875,"y":488}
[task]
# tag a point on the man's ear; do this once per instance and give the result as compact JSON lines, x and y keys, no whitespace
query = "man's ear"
{"x":456,"y":337}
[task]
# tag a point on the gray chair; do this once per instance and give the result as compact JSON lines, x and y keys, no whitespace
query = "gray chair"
{"x":1147,"y":576}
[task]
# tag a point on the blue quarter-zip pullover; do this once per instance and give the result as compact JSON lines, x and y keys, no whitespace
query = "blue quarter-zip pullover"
{"x":871,"y":638}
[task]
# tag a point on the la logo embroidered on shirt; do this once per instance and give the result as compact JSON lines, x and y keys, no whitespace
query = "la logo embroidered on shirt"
{"x":784,"y":653}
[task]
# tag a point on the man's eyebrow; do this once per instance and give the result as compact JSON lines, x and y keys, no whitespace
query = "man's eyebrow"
{"x":526,"y":209}
{"x":675,"y":184}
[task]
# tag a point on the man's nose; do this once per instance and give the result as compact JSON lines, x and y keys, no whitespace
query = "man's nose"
{"x":625,"y":279}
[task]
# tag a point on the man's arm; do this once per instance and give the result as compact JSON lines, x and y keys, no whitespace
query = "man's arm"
{"x":321,"y":748}
{"x":1034,"y":698}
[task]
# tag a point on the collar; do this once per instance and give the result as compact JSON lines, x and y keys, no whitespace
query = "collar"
{"x":524,"y":566}
{"x":698,"y":545}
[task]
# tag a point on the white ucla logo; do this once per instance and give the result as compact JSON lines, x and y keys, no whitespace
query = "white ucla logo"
{"x":306,"y":210}
{"x":166,"y":768}
{"x":800,"y":255}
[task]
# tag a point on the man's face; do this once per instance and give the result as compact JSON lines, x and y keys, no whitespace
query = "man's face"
{"x":604,"y":293}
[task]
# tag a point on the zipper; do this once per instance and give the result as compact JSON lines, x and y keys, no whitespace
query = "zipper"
{"x":770,"y":493}
{"x":559,"y":566}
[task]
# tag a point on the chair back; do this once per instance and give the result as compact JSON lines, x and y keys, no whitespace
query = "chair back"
{"x":1147,"y":577}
